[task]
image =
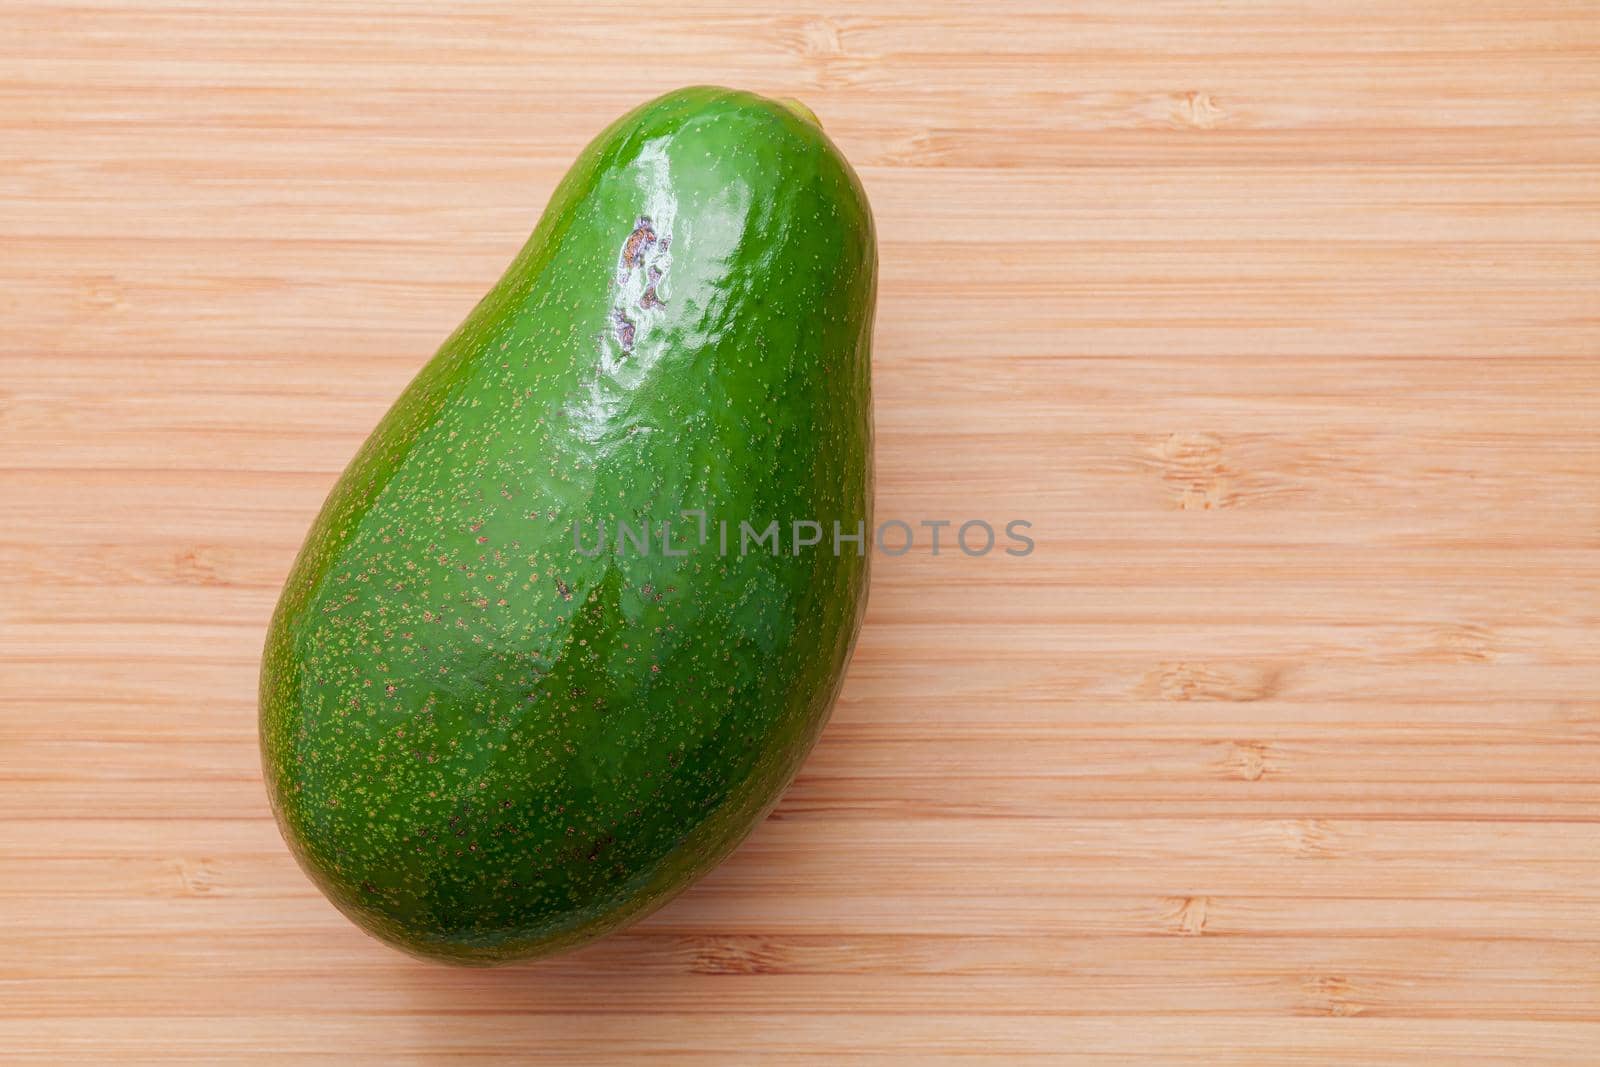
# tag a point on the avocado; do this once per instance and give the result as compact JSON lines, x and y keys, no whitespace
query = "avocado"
{"x":544,"y":659}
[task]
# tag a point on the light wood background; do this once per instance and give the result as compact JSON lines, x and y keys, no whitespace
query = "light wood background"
{"x":1278,"y":320}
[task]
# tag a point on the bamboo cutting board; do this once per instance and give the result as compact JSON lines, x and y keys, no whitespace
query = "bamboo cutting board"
{"x":1279,"y":321}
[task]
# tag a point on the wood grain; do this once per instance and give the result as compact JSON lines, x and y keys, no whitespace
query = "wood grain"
{"x":1278,"y":320}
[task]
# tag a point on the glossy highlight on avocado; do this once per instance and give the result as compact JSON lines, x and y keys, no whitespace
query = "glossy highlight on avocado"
{"x":484,"y":744}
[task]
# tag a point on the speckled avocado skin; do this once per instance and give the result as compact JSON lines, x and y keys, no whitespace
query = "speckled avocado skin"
{"x":485,"y":745}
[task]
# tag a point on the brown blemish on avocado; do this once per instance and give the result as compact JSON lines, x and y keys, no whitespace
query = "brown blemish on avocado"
{"x":625,"y":332}
{"x":642,"y":237}
{"x":650,"y":299}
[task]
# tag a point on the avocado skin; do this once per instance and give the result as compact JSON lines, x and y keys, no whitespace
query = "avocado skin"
{"x":484,"y":745}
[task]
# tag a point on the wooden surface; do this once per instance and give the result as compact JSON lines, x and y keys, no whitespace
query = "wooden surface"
{"x":1278,"y":320}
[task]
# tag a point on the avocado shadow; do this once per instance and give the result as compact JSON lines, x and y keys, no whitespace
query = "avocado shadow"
{"x":723,"y":940}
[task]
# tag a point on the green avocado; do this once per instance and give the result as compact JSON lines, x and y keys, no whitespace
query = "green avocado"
{"x":544,"y":659}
